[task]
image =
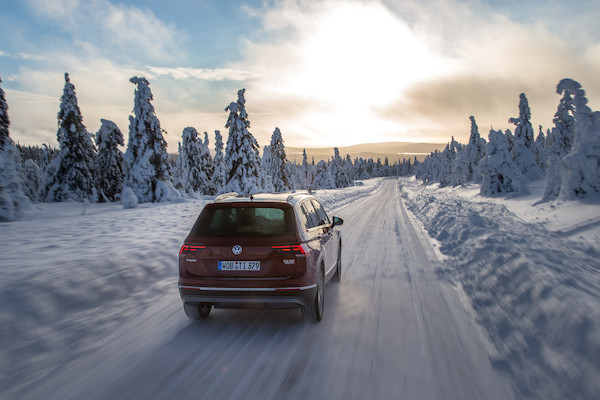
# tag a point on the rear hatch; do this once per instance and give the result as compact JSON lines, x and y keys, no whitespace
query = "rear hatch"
{"x":243,"y":240}
{"x":242,"y":258}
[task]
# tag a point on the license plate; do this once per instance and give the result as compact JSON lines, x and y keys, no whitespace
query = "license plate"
{"x":239,"y":265}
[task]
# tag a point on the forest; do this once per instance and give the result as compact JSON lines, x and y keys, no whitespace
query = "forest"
{"x":91,"y":167}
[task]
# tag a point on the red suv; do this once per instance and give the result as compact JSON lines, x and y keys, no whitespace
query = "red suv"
{"x":264,"y":250}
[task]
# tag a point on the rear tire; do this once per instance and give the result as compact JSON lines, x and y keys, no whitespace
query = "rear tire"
{"x":314,"y":312}
{"x":197,"y":311}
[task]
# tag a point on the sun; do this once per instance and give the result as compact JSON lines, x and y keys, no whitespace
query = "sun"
{"x":356,"y":59}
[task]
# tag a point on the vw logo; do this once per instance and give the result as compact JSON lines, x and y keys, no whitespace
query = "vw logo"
{"x":237,"y":250}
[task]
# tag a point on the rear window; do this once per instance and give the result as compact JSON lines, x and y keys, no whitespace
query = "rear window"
{"x":244,"y":221}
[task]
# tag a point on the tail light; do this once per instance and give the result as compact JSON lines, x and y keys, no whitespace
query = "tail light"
{"x":186,"y":248}
{"x":296,"y":249}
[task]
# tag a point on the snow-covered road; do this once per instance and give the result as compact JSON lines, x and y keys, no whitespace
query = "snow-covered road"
{"x":392,"y":329}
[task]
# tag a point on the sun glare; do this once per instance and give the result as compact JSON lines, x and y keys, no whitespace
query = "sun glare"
{"x":358,"y":59}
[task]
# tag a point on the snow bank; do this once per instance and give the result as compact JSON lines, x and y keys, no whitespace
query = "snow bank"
{"x":71,"y":272}
{"x":532,"y":276}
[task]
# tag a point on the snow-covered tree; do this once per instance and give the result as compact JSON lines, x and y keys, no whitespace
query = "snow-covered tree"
{"x":307,"y":173}
{"x":12,"y":200}
{"x":476,"y":151}
{"x":48,"y":154}
{"x":499,"y":172}
{"x":207,"y":165}
{"x":109,"y":167}
{"x":266,"y":180}
{"x":32,"y":180}
{"x":441,"y":168}
{"x":69,"y":176}
{"x":219,"y":178}
{"x":540,"y":149}
{"x":581,"y":175}
{"x":323,"y":178}
{"x":465,"y":165}
{"x":349,"y":169}
{"x":361,"y":171}
{"x":524,"y":142}
{"x":296,"y":175}
{"x":561,"y":139}
{"x":4,"y":120}
{"x":338,"y":170}
{"x":242,"y":157}
{"x":275,"y":163}
{"x":188,"y":170}
{"x":148,"y":166}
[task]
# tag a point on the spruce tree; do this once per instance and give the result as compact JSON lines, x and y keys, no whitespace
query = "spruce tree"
{"x":109,"y":168}
{"x":242,"y":157}
{"x":581,"y":175}
{"x":323,"y":178}
{"x":12,"y":200}
{"x":188,"y":168}
{"x":561,"y":140}
{"x":219,"y":178}
{"x":206,"y":166}
{"x":523,"y":142}
{"x":147,"y":160}
{"x":32,"y":180}
{"x":349,"y":170}
{"x":499,"y":172}
{"x":339,"y":172}
{"x":69,"y":176}
{"x":266,"y":180}
{"x":540,"y":149}
{"x":308,"y":173}
{"x":277,"y":164}
{"x":4,"y":120}
{"x":465,"y":166}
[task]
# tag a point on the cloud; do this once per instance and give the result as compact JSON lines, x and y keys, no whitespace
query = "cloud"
{"x":325,"y":67}
{"x":333,"y":72}
{"x":343,"y":72}
{"x":217,"y":74}
{"x":22,"y":56}
{"x":118,"y":30}
{"x":496,"y":59}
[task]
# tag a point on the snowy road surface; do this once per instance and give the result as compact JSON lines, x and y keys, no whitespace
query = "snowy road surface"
{"x":392,"y":330}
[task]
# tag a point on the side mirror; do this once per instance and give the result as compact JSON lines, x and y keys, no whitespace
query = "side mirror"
{"x":337,"y":221}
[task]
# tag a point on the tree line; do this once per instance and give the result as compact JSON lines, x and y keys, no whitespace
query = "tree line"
{"x":566,"y":156}
{"x":89,"y":167}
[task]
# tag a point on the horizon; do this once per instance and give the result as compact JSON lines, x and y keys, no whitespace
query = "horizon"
{"x":335,"y":73}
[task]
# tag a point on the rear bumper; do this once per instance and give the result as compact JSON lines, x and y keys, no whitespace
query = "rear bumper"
{"x":279,"y":297}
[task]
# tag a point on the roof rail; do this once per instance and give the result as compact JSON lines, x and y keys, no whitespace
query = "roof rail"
{"x":291,"y":196}
{"x":225,"y":196}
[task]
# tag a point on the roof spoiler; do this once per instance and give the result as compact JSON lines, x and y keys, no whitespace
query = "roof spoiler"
{"x":225,"y":196}
{"x":291,"y":196}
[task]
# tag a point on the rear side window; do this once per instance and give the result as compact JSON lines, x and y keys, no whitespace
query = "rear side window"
{"x":244,"y":221}
{"x":321,"y":214}
{"x":309,"y":215}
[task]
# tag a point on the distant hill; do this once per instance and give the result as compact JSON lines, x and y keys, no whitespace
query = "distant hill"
{"x":394,"y":151}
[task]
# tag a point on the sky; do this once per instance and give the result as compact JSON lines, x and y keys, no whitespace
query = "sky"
{"x":327,"y":73}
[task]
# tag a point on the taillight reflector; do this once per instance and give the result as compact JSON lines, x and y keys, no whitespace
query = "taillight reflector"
{"x":187,"y":248}
{"x":292,"y":248}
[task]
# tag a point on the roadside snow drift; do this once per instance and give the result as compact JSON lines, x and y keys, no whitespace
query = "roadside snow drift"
{"x":534,"y":285}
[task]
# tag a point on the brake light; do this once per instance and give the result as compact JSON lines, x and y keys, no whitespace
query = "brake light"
{"x":292,"y":248}
{"x":189,"y":248}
